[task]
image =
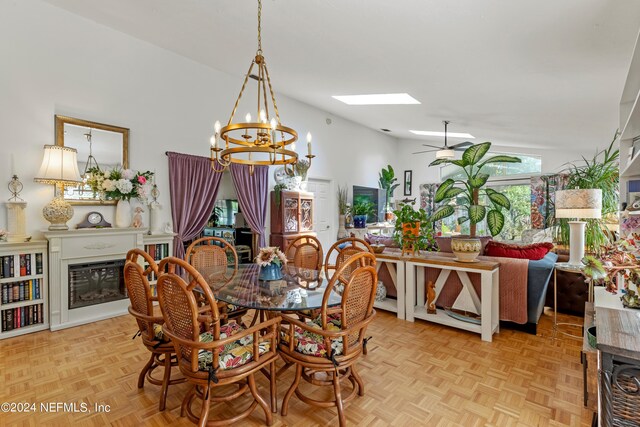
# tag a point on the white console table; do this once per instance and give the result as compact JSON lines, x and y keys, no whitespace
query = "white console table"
{"x":395,"y":265}
{"x":488,"y":307}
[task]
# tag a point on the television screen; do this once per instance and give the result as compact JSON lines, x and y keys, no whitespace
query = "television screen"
{"x":375,"y":196}
{"x":224,"y":211}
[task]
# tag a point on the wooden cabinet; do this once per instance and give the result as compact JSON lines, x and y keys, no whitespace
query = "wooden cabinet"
{"x":291,"y":217}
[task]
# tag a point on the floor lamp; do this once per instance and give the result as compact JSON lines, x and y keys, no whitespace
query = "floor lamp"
{"x":578,"y":204}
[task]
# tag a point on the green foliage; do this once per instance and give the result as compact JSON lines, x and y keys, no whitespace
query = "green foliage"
{"x":467,"y":194}
{"x":407,"y":214}
{"x":363,"y":207}
{"x":300,"y":168}
{"x":387,"y":181}
{"x":601,"y":171}
{"x":278,"y":192}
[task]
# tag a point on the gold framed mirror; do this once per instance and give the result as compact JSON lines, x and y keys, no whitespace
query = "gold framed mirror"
{"x":98,"y":144}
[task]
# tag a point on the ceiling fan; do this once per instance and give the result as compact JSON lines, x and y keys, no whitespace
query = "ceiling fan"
{"x":446,"y":151}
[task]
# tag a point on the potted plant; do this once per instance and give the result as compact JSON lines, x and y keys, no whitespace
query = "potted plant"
{"x":298,"y":175}
{"x":603,"y":172}
{"x":361,"y":210}
{"x":413,"y":226}
{"x":465,"y":194}
{"x":387,"y":182}
{"x":343,"y":208}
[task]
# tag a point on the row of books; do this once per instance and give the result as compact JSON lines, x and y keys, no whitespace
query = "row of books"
{"x":158,"y":251}
{"x":20,"y":317}
{"x":21,"y":291}
{"x":8,"y":267}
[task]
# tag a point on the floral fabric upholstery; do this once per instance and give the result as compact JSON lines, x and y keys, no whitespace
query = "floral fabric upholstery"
{"x":157,"y":332}
{"x":232,"y":355}
{"x":311,"y":344}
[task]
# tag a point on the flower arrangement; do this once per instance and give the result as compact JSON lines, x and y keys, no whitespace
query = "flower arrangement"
{"x":120,"y":184}
{"x":270,"y":255}
{"x":3,"y":235}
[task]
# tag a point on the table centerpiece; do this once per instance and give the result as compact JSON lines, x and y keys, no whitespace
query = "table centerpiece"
{"x":270,"y":259}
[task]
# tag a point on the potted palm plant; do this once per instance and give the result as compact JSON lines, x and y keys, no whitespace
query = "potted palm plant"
{"x":464,"y":194}
{"x":387,"y":181}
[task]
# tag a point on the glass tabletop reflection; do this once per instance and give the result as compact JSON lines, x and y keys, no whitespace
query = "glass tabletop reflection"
{"x":299,"y":288}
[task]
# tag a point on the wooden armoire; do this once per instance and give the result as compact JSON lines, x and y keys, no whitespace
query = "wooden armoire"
{"x":291,"y":218}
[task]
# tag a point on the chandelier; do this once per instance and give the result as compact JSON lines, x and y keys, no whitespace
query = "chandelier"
{"x":92,"y":163}
{"x":264,"y":141}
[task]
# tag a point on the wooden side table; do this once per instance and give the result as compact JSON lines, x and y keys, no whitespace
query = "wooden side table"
{"x":565,"y":266}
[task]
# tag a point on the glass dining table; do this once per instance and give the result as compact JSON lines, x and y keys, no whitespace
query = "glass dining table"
{"x":299,"y":289}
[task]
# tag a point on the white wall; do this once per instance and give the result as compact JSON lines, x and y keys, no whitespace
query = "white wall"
{"x":552,"y":161}
{"x":54,"y":62}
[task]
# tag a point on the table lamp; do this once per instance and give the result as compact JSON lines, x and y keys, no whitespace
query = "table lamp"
{"x":59,"y":167}
{"x":578,"y":204}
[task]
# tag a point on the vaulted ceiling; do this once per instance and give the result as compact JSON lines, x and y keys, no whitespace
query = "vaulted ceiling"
{"x":516,"y":72}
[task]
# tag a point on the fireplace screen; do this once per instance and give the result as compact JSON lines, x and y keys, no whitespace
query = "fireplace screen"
{"x":96,"y":283}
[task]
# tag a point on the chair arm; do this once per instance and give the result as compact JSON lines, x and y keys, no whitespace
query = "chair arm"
{"x":155,"y":319}
{"x":330,"y":334}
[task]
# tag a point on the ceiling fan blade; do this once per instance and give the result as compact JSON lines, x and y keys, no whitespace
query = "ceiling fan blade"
{"x":462,"y":144}
{"x":427,"y":151}
{"x":433,"y":146}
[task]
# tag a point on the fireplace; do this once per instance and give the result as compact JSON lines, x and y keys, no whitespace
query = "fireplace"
{"x":96,"y":283}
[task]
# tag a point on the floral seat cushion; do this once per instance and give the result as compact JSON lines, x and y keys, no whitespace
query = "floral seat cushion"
{"x":232,"y":355}
{"x":311,"y":344}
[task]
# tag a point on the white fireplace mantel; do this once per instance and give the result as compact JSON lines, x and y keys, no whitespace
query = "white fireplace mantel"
{"x":85,"y":246}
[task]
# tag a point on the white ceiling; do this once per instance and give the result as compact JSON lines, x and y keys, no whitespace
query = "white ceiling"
{"x":516,"y":72}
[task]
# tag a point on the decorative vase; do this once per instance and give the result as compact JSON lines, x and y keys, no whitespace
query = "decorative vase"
{"x":270,"y":272}
{"x":123,"y":214}
{"x":342,"y":232}
{"x":381,"y":292}
{"x":465,"y":248}
{"x":359,"y":221}
{"x":155,"y":225}
{"x":304,"y":185}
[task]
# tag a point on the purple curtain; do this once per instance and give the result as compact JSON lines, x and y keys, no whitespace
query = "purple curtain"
{"x":193,"y":186}
{"x":252,"y":189}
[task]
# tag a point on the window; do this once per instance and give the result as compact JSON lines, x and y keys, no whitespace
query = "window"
{"x":516,"y":187}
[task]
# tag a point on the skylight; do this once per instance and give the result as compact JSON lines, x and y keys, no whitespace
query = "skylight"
{"x":449,"y":134}
{"x":377,"y":99}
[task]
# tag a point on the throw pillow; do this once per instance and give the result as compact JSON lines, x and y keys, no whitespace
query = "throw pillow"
{"x":532,"y":252}
{"x":388,"y":241}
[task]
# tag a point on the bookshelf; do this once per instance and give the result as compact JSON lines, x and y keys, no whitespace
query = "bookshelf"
{"x":159,"y":246}
{"x":24,"y":288}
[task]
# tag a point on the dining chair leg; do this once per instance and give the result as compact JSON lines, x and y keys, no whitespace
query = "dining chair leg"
{"x":165,"y":381}
{"x":358,"y":379}
{"x":186,"y":402}
{"x":204,"y":412}
{"x":259,"y":399}
{"x":273,"y":387}
{"x":292,"y":389}
{"x":144,"y":371}
{"x":336,"y":389}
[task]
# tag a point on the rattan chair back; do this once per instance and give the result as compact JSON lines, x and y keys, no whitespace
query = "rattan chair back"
{"x":136,"y":279}
{"x":341,"y":251}
{"x":359,"y":277}
{"x":305,"y":252}
{"x":211,"y":252}
{"x":181,"y":297}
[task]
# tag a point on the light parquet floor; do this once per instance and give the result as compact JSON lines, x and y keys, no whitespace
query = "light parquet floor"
{"x":416,"y":374}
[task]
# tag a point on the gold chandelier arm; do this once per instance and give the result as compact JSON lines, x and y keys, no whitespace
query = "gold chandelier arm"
{"x":244,"y":84}
{"x":264,"y":87}
{"x":273,"y":98}
{"x":215,"y":160}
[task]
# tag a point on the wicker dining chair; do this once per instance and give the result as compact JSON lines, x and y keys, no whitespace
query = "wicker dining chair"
{"x":305,"y":252}
{"x":341,"y":251}
{"x":212,"y":355}
{"x":136,"y":279}
{"x":209,"y":253}
{"x":333,"y":342}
